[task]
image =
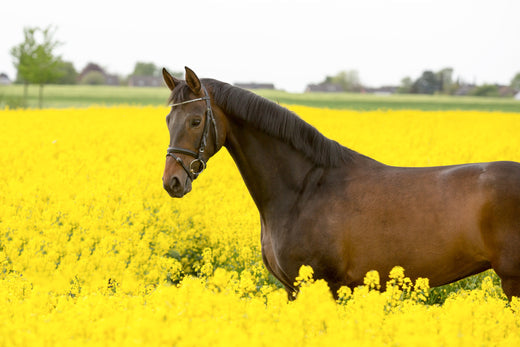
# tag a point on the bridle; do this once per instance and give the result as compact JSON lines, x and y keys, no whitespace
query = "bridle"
{"x":198,"y":164}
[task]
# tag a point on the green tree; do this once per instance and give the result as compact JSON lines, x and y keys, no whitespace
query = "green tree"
{"x":35,"y":59}
{"x":93,"y":78}
{"x":406,"y":86}
{"x":22,"y":60}
{"x":348,"y":80}
{"x":485,"y":90}
{"x":146,"y":69}
{"x":69,"y":75}
{"x":428,"y":83}
{"x":515,"y":82}
{"x":445,"y":81}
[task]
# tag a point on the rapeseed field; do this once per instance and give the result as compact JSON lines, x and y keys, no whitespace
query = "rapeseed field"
{"x":93,"y":251}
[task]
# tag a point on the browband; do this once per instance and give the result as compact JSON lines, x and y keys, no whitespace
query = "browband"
{"x":187,"y":102}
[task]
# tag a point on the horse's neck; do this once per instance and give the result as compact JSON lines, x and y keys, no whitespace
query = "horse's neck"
{"x":272,"y":170}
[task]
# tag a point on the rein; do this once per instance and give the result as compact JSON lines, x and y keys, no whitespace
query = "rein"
{"x":198,"y":164}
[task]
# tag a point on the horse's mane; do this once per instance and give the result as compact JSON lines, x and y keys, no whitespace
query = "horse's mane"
{"x":272,"y":119}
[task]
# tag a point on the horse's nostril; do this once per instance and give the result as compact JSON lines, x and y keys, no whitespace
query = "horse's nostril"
{"x":174,"y":182}
{"x":171,"y":185}
{"x":174,"y":187}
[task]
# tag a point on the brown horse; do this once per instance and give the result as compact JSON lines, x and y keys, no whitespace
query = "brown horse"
{"x":344,"y":214}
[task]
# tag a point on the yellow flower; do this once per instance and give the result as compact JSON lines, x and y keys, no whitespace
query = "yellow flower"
{"x":371,"y":280}
{"x":304,"y":275}
{"x":93,"y":251}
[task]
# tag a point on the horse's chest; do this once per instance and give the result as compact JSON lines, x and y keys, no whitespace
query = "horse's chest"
{"x":285,"y":250}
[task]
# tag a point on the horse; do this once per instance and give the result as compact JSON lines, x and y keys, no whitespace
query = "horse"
{"x":341,"y":212}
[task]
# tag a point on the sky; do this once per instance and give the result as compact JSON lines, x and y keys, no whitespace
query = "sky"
{"x":287,"y":43}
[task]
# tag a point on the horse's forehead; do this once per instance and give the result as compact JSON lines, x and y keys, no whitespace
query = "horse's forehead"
{"x":188,"y":109}
{"x":174,"y":116}
{"x":178,"y":114}
{"x":181,"y":93}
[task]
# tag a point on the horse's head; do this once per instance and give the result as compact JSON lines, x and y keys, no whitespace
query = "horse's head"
{"x":196,"y":133}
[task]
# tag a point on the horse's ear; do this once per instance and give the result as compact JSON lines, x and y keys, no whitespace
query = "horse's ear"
{"x":192,"y":80}
{"x":170,"y":81}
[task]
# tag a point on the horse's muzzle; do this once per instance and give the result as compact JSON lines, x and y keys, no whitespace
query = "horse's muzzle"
{"x":175,"y":187}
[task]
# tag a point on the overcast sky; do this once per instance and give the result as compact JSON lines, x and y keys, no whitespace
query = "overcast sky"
{"x":288,"y":43}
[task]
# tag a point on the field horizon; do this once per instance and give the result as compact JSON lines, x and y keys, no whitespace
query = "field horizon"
{"x":82,"y":96}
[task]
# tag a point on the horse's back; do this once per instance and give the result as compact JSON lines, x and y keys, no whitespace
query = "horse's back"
{"x":503,"y":177}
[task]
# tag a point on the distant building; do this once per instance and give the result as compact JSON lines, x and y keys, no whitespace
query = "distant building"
{"x":91,"y":67}
{"x":255,"y":85}
{"x":465,"y":89}
{"x":517,"y":96}
{"x":111,"y":80}
{"x":145,"y":81}
{"x":324,"y":87}
{"x":505,"y":91}
{"x":4,"y":79}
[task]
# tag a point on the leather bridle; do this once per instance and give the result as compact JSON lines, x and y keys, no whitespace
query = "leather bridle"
{"x":198,"y":164}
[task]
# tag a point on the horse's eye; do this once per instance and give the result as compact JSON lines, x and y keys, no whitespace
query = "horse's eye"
{"x":195,"y":122}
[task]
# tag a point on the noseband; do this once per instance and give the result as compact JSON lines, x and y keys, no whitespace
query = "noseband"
{"x":198,"y":164}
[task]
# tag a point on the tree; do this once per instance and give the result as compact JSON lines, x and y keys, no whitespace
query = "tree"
{"x":406,"y":86}
{"x":485,"y":90}
{"x":69,"y":75}
{"x":428,"y":83}
{"x":146,"y":69}
{"x":22,"y":55}
{"x":515,"y":82}
{"x":348,"y":80}
{"x":35,"y":60}
{"x":445,"y":80}
{"x":93,"y":78}
{"x":176,"y":74}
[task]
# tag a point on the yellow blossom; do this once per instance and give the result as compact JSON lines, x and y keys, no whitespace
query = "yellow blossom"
{"x":94,"y":252}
